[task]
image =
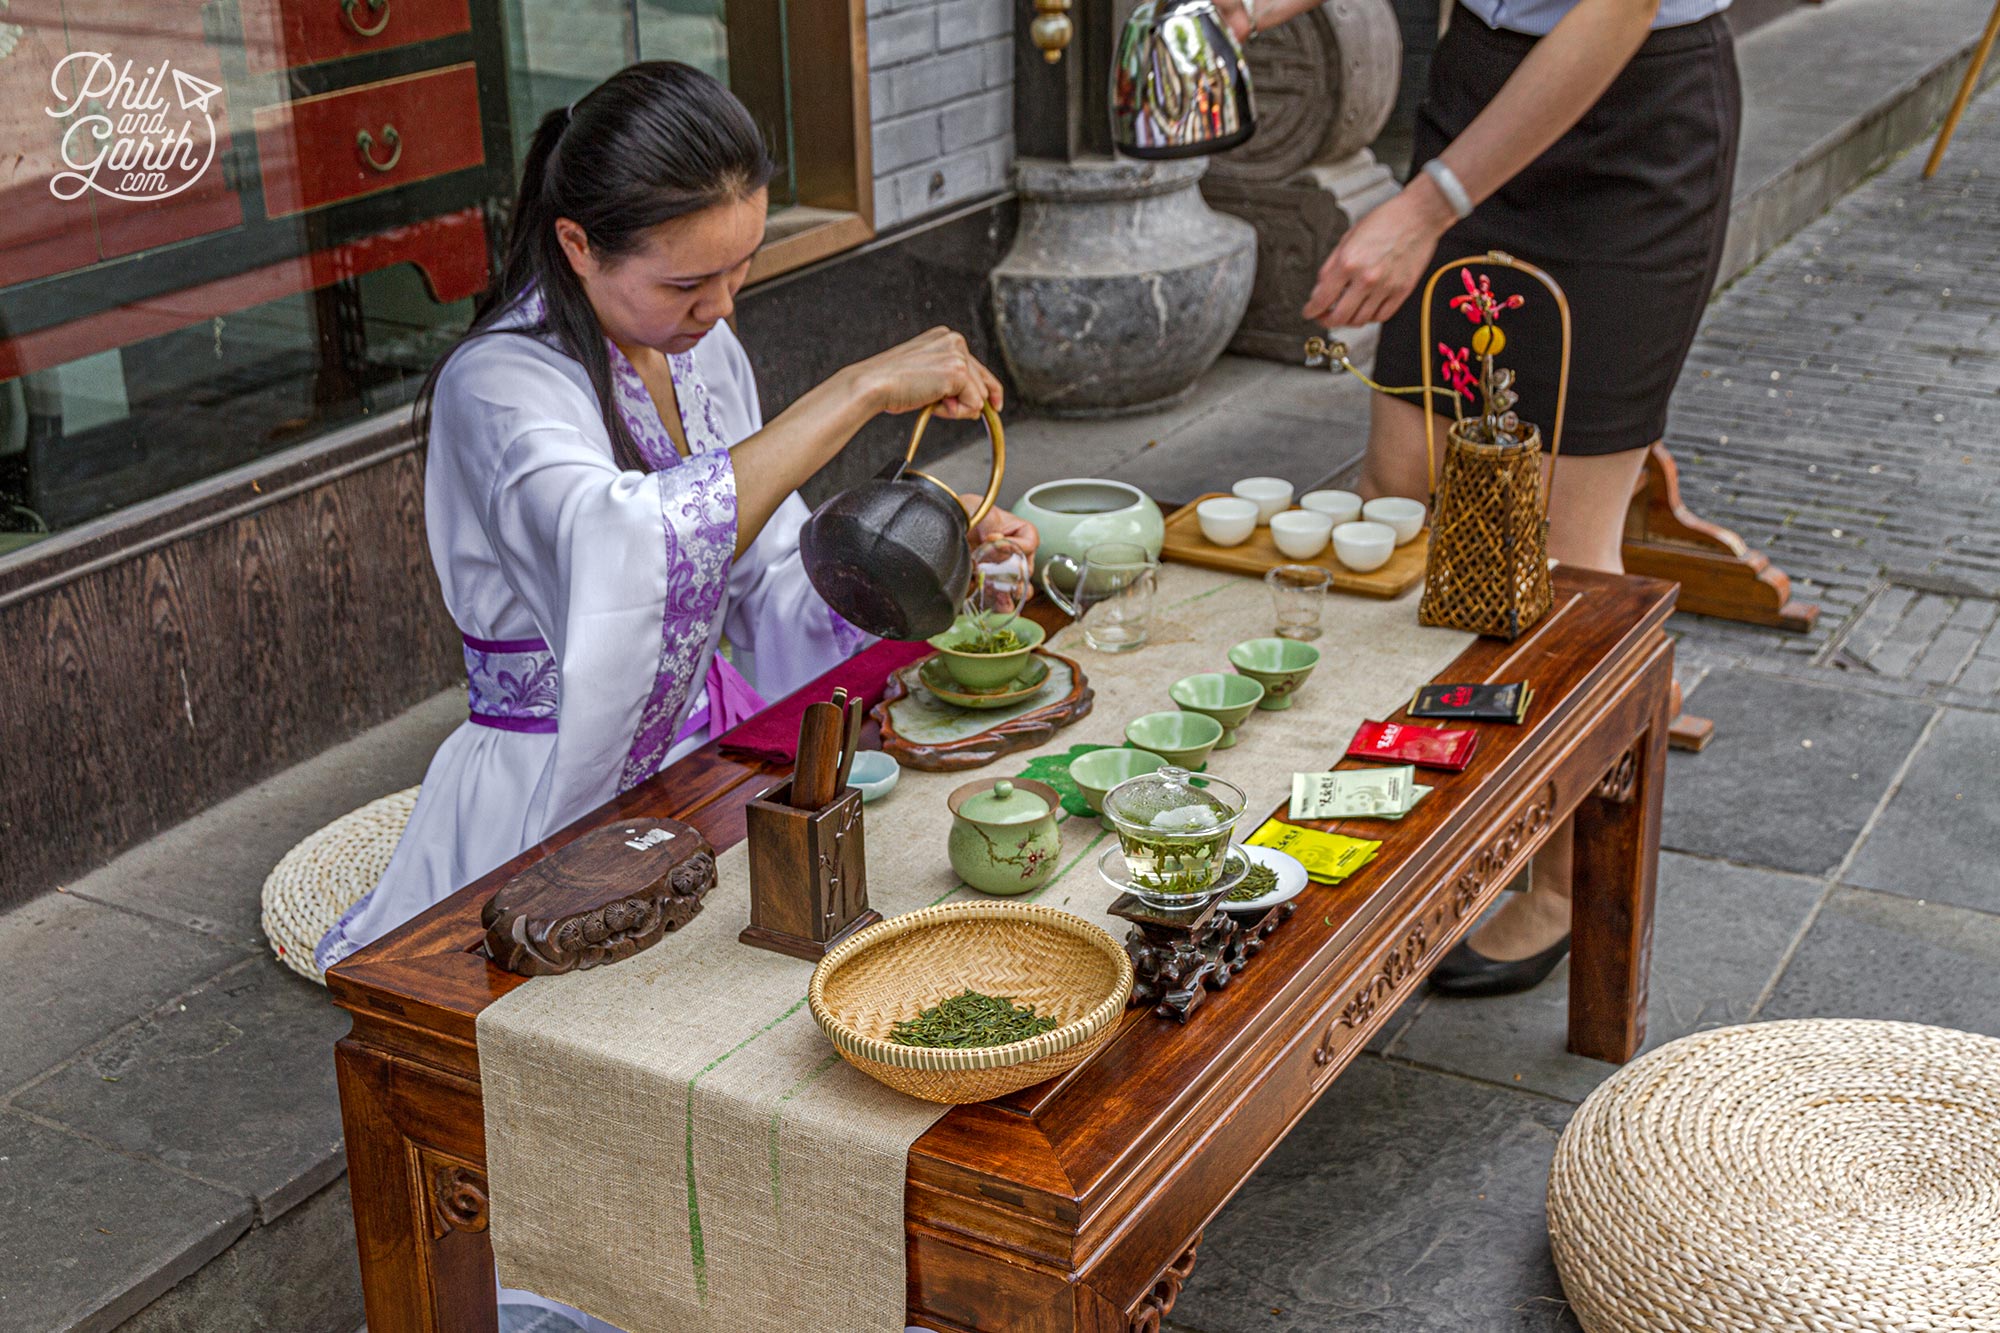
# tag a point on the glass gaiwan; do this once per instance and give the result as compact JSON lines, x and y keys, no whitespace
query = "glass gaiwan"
{"x":1174,"y":831}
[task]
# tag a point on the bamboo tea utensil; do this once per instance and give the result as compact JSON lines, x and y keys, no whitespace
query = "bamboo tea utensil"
{"x":818,"y":762}
{"x":853,"y":743}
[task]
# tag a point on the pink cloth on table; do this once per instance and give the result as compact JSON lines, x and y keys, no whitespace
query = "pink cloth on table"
{"x":774,"y":733}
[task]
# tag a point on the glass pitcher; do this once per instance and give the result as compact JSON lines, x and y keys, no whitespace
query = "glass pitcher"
{"x":1109,"y":592}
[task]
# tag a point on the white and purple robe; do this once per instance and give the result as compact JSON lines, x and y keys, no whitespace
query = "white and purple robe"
{"x":591,"y":601}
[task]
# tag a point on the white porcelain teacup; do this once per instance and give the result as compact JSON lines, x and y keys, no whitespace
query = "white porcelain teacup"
{"x":1405,"y":516}
{"x":1271,"y":495}
{"x":1300,"y":533}
{"x":1226,"y":520}
{"x":1364,"y":547}
{"x":1340,"y":506}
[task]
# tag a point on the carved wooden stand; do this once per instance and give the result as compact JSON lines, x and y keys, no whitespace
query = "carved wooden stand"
{"x":1719,"y":574}
{"x":1178,"y":957}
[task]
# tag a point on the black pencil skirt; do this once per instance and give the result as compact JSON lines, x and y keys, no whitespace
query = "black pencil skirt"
{"x":1627,"y":211}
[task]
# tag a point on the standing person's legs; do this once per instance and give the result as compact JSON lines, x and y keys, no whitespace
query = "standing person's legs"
{"x":1586,"y":527}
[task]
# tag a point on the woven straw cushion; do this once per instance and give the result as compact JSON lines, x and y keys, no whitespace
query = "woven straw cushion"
{"x":326,"y":874}
{"x":1816,"y":1176}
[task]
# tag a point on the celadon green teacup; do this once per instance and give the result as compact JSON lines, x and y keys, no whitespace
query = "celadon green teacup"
{"x":1279,"y":665}
{"x":985,"y":671}
{"x":1218,"y":694}
{"x":1182,"y":739}
{"x":1098,"y":771}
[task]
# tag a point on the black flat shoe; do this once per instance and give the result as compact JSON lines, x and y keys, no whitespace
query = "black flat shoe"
{"x":1468,"y":973}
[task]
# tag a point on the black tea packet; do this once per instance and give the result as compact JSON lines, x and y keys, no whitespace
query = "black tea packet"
{"x":1473,"y":703}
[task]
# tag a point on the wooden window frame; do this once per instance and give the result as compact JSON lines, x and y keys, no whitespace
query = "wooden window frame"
{"x":831,"y":149}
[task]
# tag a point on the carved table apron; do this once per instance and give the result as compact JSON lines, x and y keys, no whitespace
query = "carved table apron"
{"x":1077,"y":1204}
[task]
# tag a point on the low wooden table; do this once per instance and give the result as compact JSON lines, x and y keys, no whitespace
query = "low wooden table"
{"x":1078,"y":1204}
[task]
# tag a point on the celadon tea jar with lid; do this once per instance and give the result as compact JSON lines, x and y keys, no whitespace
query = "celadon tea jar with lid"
{"x":1003,"y":835}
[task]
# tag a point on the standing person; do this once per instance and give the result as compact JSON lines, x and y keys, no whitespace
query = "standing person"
{"x":1597,"y":140}
{"x":603,"y":497}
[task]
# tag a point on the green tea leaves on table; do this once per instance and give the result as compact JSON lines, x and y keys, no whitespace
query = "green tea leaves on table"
{"x":971,"y":1019}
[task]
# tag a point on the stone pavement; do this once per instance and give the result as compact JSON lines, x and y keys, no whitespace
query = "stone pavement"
{"x":166,"y":1101}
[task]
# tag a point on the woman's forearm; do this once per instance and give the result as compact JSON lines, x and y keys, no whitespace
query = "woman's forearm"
{"x":778,"y":459}
{"x":1562,"y":77}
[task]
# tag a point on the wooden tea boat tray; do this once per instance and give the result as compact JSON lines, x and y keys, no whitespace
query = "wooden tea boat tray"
{"x":921,"y":731}
{"x":1260,"y":554}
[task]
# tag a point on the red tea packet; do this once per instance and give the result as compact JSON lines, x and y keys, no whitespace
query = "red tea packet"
{"x":1448,"y":748}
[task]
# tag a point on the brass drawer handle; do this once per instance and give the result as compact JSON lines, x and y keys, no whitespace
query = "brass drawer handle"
{"x":366,"y":143}
{"x":347,"y":8}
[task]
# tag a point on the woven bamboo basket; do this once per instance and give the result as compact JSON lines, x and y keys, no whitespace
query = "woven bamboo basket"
{"x":1066,"y":967}
{"x":1488,"y":570}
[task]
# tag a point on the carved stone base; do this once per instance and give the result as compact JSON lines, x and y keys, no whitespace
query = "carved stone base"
{"x":1178,"y":957}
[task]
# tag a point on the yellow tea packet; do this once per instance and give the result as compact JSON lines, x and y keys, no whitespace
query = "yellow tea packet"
{"x":1328,"y":857}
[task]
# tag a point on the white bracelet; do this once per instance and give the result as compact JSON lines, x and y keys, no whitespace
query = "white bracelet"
{"x":1450,"y":187}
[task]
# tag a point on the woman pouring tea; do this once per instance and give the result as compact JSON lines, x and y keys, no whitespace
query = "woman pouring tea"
{"x":603,"y":497}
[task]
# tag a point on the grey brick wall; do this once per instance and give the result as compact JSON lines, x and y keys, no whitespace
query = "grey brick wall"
{"x":941,"y":90}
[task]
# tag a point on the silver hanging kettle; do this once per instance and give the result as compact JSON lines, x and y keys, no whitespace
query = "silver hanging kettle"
{"x":1180,"y":86}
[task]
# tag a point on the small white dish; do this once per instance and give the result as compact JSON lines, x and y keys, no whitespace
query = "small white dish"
{"x":1364,"y":547}
{"x":1291,"y":879}
{"x":1227,"y":520}
{"x":1340,"y":506}
{"x":1271,"y":495}
{"x":1405,"y":516}
{"x":874,"y":773}
{"x":1300,"y":533}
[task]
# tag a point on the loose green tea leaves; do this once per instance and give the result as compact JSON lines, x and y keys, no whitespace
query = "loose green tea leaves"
{"x":990,"y":641}
{"x":971,"y":1019}
{"x":1259,"y":881}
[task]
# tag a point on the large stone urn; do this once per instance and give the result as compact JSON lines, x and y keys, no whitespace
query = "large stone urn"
{"x":1122,"y":287}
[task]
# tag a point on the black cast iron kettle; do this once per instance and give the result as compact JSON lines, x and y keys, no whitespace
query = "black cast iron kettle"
{"x":893,"y":555}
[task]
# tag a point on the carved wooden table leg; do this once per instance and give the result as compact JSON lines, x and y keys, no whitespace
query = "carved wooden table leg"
{"x":1719,"y":574}
{"x":419,"y":1207}
{"x":1158,"y":1303}
{"x":1617,"y":843}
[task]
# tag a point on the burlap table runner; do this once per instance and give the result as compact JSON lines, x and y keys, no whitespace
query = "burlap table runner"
{"x":671,"y":1143}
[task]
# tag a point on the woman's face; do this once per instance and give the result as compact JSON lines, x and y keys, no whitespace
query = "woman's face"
{"x":681,"y":281}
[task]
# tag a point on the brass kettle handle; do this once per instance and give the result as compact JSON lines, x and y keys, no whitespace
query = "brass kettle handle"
{"x":365,"y":141}
{"x":994,"y":433}
{"x":347,"y":8}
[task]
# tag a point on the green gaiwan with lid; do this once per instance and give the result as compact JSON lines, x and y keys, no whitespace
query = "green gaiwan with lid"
{"x":1004,"y":838}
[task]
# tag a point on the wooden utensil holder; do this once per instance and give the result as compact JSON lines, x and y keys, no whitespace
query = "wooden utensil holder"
{"x":808,"y":874}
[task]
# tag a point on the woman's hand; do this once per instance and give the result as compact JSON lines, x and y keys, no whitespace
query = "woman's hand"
{"x":934,"y":367}
{"x":1237,"y":16}
{"x":999,"y":523}
{"x":1381,"y":259}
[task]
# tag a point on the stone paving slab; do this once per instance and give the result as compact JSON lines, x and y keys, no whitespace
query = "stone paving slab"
{"x":77,"y":971}
{"x":1938,"y":839}
{"x":260,"y":1032}
{"x":1793,"y":773}
{"x":88,"y":1237}
{"x":1719,"y":934}
{"x":1405,"y":1201}
{"x":1878,"y":955}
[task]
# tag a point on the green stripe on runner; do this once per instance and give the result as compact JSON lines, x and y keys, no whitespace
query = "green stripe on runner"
{"x":779,"y":1111}
{"x":697,"y":1252}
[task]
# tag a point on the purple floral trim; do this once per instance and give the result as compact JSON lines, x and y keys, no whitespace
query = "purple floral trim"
{"x":847,"y":640}
{"x":699,"y":512}
{"x":511,"y":684}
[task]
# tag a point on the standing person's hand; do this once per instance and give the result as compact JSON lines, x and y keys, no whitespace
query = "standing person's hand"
{"x":999,"y":523}
{"x":1381,"y":259}
{"x":1236,"y":13}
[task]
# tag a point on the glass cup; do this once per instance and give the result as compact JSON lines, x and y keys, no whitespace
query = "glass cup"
{"x":1298,"y":593}
{"x":1112,"y":593}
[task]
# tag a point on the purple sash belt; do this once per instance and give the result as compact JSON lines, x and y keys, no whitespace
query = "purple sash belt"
{"x":510,"y":684}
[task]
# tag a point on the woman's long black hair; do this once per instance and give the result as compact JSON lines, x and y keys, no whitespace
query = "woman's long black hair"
{"x":656,"y":141}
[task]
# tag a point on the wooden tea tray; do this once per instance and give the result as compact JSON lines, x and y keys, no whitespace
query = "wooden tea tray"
{"x":1260,"y":554}
{"x":921,"y":731}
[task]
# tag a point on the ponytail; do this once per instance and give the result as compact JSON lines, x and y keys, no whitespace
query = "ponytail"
{"x":656,"y":141}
